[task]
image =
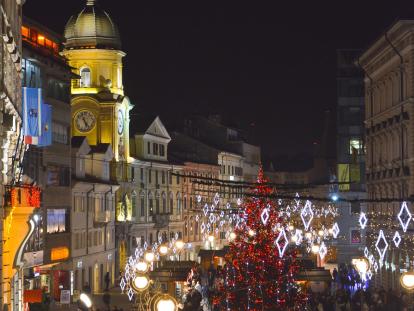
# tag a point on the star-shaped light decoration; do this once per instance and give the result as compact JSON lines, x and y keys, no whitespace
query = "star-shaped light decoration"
{"x":282,"y":242}
{"x":307,"y":214}
{"x":363,"y":220}
{"x":404,"y":216}
{"x":381,"y":249}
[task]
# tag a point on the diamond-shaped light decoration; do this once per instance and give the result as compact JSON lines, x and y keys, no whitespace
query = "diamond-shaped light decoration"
{"x":239,"y":201}
{"x":198,"y":198}
{"x":363,"y":220}
{"x":282,"y":242}
{"x":323,"y":250}
{"x":130,"y":294}
{"x":396,"y":239}
{"x":298,"y":237}
{"x":265,"y":216}
{"x":122,"y":284}
{"x":369,"y":275}
{"x":307,"y":214}
{"x":404,"y":216}
{"x":205,"y":210}
{"x":202,"y":227}
{"x":335,"y":230}
{"x":212,"y":218}
{"x":366,"y":252}
{"x":216,"y":199}
{"x":375,"y":266}
{"x":381,"y":250}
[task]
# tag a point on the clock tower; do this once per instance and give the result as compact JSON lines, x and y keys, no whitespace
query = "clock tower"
{"x":100,"y":109}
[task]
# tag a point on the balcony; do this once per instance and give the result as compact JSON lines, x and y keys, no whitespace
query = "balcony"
{"x":104,"y":216}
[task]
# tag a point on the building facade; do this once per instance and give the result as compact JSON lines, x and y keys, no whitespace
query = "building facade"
{"x":388,"y":64}
{"x":350,"y":154}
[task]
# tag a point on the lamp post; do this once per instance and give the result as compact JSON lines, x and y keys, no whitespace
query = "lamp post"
{"x":407,"y":282}
{"x":180,"y":246}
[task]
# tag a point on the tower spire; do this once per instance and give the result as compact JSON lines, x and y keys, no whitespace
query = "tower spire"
{"x":91,"y":2}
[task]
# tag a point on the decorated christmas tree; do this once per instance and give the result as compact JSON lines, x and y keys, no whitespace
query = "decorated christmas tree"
{"x":260,"y":270}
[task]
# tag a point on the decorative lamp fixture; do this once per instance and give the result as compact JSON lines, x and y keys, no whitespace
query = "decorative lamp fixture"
{"x":179,"y":244}
{"x":211,"y":238}
{"x":166,"y":303}
{"x":315,"y":248}
{"x":232,"y":236}
{"x":407,"y":280}
{"x":142,"y":266}
{"x":149,"y":257}
{"x":163,"y":250}
{"x":140,"y":283}
{"x":361,"y":264}
{"x":86,"y":300}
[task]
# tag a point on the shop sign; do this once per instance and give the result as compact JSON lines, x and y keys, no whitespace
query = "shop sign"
{"x":33,"y":258}
{"x":65,"y":296}
{"x":59,"y":253}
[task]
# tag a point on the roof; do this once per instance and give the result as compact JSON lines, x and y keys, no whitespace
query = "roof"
{"x":92,"y":27}
{"x":77,"y":141}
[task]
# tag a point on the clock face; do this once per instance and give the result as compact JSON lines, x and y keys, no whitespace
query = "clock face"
{"x":85,"y":121}
{"x":120,"y":122}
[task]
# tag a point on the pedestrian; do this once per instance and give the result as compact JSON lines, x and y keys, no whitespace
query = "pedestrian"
{"x":107,"y":280}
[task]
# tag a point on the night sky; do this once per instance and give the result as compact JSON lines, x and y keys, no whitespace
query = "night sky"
{"x":267,"y":66}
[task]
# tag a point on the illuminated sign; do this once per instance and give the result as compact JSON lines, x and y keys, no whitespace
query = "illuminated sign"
{"x":23,"y":196}
{"x":59,"y":253}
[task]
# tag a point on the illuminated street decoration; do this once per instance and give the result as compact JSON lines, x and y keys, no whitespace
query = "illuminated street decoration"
{"x":282,"y":243}
{"x":307,"y":215}
{"x":335,"y":230}
{"x":397,"y":239}
{"x":404,"y":216}
{"x":363,"y":220}
{"x":381,"y":249}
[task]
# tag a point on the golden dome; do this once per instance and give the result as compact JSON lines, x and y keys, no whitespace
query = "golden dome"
{"x":92,"y":28}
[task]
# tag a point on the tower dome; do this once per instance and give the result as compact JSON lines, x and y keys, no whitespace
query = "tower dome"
{"x":92,"y":28}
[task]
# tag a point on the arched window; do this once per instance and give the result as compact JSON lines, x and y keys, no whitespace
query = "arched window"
{"x":171,"y":205}
{"x":185,"y":202}
{"x":157,"y":203}
{"x":151,"y":239}
{"x":196,"y":229}
{"x":164,"y":203}
{"x":134,"y":203}
{"x":150,"y":203}
{"x":142,"y":203}
{"x":185,"y":227}
{"x":85,"y":74}
{"x":178,"y":203}
{"x":191,"y":202}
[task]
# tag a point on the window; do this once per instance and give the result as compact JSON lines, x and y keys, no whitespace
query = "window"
{"x":150,"y":203}
{"x":134,"y":204}
{"x":156,"y":177}
{"x":171,"y":207}
{"x":149,"y":176}
{"x":355,"y":236}
{"x":59,"y":133}
{"x":196,"y":228}
{"x":142,"y":174}
{"x":56,"y":220}
{"x":142,"y":204}
{"x":162,"y":150}
{"x":222,"y":235}
{"x":31,"y":74}
{"x":155,"y":149}
{"x":355,"y":208}
{"x":132,"y":173}
{"x":178,"y":203}
{"x":149,"y":147}
{"x":151,"y":239}
{"x":170,"y":178}
{"x":163,"y":177}
{"x":164,"y":203}
{"x":185,"y":203}
{"x":157,"y":203}
{"x":58,"y":90}
{"x":191,"y":203}
{"x":178,"y":179}
{"x":355,"y":146}
{"x":58,"y":176}
{"x":85,"y":74}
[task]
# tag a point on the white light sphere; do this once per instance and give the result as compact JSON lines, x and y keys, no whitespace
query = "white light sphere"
{"x":86,"y":300}
{"x":308,"y":235}
{"x":211,"y":238}
{"x":163,"y":250}
{"x":294,"y":238}
{"x":149,"y":257}
{"x":315,"y":248}
{"x":291,"y":228}
{"x":179,"y":244}
{"x":330,"y":231}
{"x":142,"y":266}
{"x":166,"y":303}
{"x":251,"y":232}
{"x":140,"y":283}
{"x":361,"y":264}
{"x":407,"y":280}
{"x":232,"y":236}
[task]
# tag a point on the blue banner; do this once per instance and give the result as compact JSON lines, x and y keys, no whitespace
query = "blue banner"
{"x":46,"y":129}
{"x":32,"y":114}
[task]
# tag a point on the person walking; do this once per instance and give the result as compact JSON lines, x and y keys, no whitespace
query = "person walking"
{"x":107,"y":280}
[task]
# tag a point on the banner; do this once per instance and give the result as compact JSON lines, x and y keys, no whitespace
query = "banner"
{"x":32,"y":115}
{"x":343,"y":176}
{"x":46,"y":129}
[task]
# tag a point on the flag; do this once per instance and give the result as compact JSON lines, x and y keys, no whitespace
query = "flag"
{"x":32,"y":115}
{"x":46,"y":129}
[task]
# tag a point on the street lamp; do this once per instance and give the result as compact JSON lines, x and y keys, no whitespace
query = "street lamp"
{"x":211,"y":238}
{"x":407,"y":280}
{"x":142,"y":266}
{"x":165,"y":303}
{"x":315,"y":248}
{"x":179,"y":244}
{"x":163,"y":250}
{"x":140,"y":283}
{"x":232,"y":236}
{"x":149,"y":256}
{"x":361,"y":264}
{"x":85,"y":301}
